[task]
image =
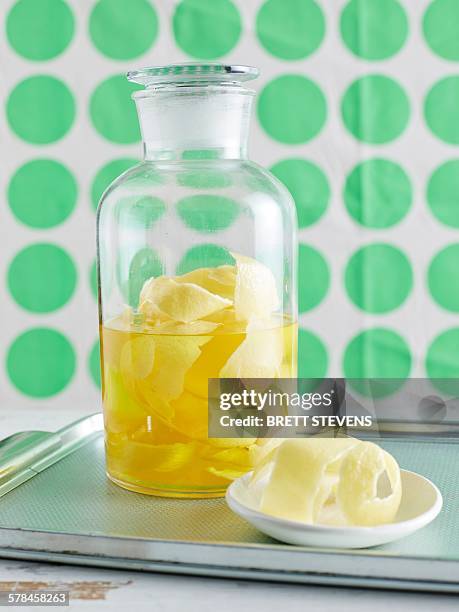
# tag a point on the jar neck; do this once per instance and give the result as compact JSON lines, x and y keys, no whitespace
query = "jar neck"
{"x":194,"y":122}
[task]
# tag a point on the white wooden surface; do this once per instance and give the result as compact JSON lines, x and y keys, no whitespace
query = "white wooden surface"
{"x":97,"y":589}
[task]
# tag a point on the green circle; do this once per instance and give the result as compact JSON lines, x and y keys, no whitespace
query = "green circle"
{"x":441,"y":109}
{"x":39,"y":29}
{"x":40,"y":109}
{"x":375,"y":109}
{"x":141,"y":211}
{"x":93,"y":278}
{"x":94,"y":363}
{"x":206,"y":30}
{"x":292,"y":109}
{"x":290,"y":29}
{"x":312,"y":355}
{"x":443,"y":193}
{"x":377,"y":193}
{"x":378,"y":278}
{"x":42,"y":193}
{"x":42,"y":277}
{"x":442,"y":361}
{"x":308,"y":186}
{"x":207,"y":213}
{"x":374,"y":30}
{"x":113,"y":112}
{"x":443,"y":278}
{"x":107,"y":174}
{"x":441,"y":27}
{"x":41,"y":362}
{"x":204,"y":179}
{"x":377,"y":353}
{"x":132,"y":272}
{"x":204,"y":256}
{"x":123,"y":34}
{"x":313,"y":278}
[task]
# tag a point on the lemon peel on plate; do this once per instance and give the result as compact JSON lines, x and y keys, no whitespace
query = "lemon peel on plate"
{"x":357,"y":491}
{"x":297,"y":486}
{"x":328,"y":481}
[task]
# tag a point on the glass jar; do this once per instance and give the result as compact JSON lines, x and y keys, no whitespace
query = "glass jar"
{"x":196,"y":267}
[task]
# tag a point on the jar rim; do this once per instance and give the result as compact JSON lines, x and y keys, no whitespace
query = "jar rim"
{"x":192,"y":72}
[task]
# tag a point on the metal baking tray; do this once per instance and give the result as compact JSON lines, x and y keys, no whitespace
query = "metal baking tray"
{"x":57,"y":505}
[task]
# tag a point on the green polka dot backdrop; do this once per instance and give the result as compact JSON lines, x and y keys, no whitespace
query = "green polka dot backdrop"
{"x":357,"y":114}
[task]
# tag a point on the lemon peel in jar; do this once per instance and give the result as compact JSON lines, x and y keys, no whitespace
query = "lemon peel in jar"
{"x":258,"y":356}
{"x":220,"y":280}
{"x":164,"y":297}
{"x":174,"y":356}
{"x":227,"y":474}
{"x":329,"y":481}
{"x":195,"y":328}
{"x":137,"y":357}
{"x":247,"y":455}
{"x":246,"y":289}
{"x":255,"y":293}
{"x":123,"y":411}
{"x":151,"y":458}
{"x":231,"y":442}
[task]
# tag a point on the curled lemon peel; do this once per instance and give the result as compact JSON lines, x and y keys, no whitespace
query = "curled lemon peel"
{"x":258,"y":356}
{"x":247,"y":288}
{"x":174,"y":357}
{"x":328,"y":481}
{"x":255,"y":292}
{"x":161,"y":378}
{"x":137,"y":357}
{"x":185,"y":302}
{"x":220,"y":280}
{"x":357,"y":490}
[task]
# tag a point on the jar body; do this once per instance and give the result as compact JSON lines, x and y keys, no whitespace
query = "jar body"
{"x":168,"y":219}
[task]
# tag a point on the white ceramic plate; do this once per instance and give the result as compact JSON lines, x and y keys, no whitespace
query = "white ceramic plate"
{"x":421,"y":503}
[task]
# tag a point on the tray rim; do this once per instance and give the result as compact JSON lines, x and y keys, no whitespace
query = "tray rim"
{"x":286,"y":563}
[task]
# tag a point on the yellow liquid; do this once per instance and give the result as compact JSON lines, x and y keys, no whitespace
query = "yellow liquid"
{"x":155,"y":396}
